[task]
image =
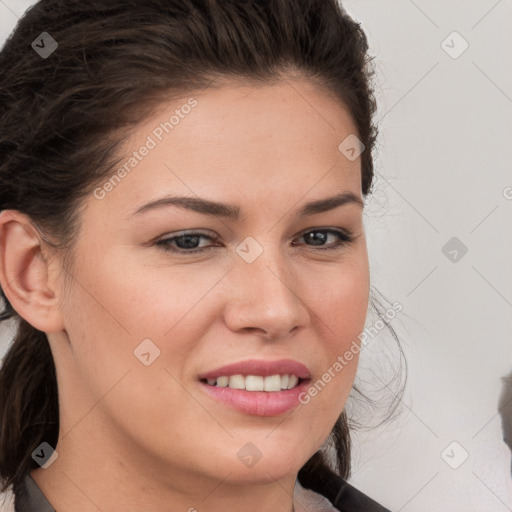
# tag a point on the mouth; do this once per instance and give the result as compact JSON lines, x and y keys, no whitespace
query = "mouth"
{"x":256,"y":387}
{"x":271,"y":383}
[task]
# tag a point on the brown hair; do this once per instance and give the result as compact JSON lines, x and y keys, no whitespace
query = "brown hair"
{"x":62,"y":118}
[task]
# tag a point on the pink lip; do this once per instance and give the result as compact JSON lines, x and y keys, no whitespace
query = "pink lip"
{"x":258,"y":403}
{"x":259,"y":367}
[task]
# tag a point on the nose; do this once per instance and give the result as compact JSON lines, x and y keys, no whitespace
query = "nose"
{"x":266,"y":296}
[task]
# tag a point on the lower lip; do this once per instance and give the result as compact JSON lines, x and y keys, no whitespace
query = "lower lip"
{"x":258,"y":403}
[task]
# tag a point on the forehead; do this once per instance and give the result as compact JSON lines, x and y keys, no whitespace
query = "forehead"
{"x":254,"y":140}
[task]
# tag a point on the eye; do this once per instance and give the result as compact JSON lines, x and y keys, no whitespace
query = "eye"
{"x":344,"y":237}
{"x":187,"y":243}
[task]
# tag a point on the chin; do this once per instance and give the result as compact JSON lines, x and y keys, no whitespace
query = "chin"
{"x":263,"y":472}
{"x":266,"y":464}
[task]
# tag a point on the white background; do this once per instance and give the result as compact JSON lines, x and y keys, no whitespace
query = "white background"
{"x":443,"y":162}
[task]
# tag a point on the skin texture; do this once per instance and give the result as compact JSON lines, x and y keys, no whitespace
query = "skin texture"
{"x":136,"y":437}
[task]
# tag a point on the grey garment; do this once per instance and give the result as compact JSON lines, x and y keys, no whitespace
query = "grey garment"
{"x":29,"y":498}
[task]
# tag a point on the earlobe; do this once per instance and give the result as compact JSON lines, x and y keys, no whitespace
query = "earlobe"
{"x":24,"y":273}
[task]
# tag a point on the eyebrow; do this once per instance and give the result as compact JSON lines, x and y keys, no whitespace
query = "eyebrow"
{"x":231,"y":211}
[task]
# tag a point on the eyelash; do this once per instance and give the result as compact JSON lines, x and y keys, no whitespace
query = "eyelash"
{"x":345,"y":238}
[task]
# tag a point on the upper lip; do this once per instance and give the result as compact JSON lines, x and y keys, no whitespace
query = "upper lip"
{"x":259,"y":367}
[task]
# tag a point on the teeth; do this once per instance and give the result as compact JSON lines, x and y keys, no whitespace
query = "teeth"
{"x":237,"y":382}
{"x":222,"y":382}
{"x":293,"y":381}
{"x":272,"y":383}
{"x":256,"y":382}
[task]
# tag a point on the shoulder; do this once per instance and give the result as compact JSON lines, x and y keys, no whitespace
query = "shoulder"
{"x":7,"y":500}
{"x":344,"y":496}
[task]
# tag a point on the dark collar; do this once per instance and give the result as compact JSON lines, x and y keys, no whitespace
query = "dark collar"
{"x":342,"y":495}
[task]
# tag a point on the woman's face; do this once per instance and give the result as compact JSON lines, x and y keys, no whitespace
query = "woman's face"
{"x":268,"y":294}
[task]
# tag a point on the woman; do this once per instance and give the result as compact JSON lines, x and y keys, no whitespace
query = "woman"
{"x":182,"y":186}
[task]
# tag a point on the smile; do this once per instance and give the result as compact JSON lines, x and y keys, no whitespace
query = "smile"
{"x":257,"y":387}
{"x":271,"y":383}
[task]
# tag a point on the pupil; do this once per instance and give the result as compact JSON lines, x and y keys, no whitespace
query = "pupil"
{"x":317,"y":236}
{"x":188,"y":245}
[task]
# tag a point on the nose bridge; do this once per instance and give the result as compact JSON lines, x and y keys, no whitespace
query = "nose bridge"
{"x":267,"y":293}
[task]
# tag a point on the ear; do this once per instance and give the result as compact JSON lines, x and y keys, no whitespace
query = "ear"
{"x":25,"y":271}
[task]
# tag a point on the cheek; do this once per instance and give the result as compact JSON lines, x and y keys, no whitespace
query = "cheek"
{"x":341,"y":303}
{"x":108,"y":316}
{"x":340,"y":299}
{"x":136,"y":300}
{"x":116,"y":307}
{"x":112,"y":308}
